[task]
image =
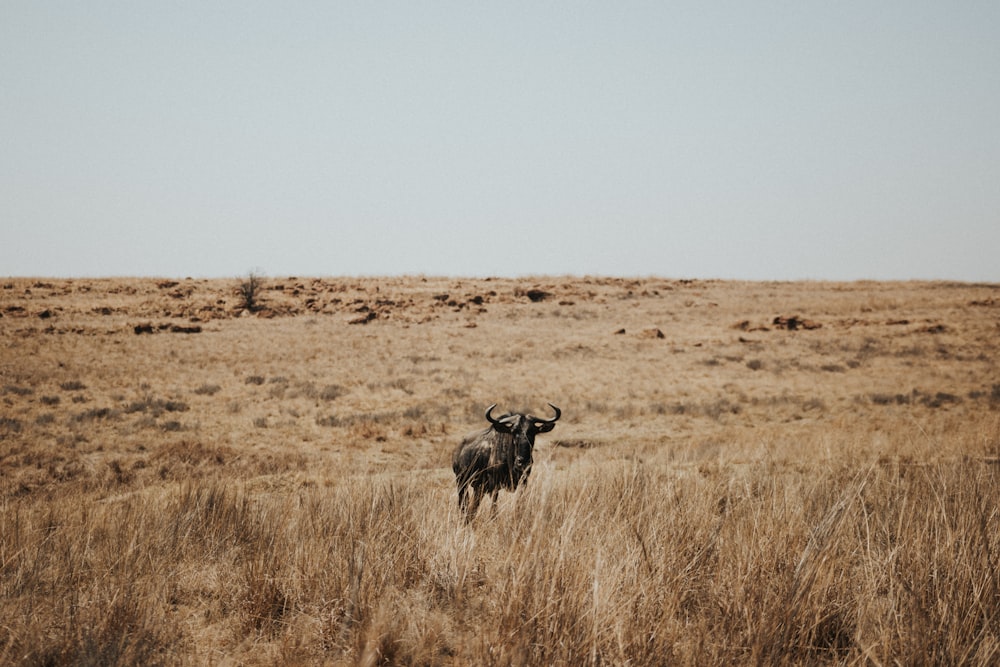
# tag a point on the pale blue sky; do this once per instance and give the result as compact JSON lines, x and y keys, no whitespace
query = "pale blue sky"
{"x":755,"y":140}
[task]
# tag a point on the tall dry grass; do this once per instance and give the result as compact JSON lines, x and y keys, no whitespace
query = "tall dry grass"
{"x":277,"y":491}
{"x":847,"y":562}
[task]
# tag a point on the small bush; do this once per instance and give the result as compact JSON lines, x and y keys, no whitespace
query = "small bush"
{"x":96,"y":414}
{"x":10,"y":425}
{"x":156,"y":406}
{"x":332,"y":392}
{"x":889,"y":399}
{"x":332,"y":421}
{"x":813,"y":404}
{"x":414,"y":412}
{"x":940,"y":399}
{"x":298,"y":390}
{"x":721,"y":407}
{"x":249,"y":291}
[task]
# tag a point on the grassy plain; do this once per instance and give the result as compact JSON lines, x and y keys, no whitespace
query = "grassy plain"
{"x":745,"y":473}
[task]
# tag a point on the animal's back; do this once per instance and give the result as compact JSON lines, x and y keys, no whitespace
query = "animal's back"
{"x":473,"y":451}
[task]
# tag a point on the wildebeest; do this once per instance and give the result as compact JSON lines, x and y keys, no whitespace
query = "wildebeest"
{"x":496,"y":458}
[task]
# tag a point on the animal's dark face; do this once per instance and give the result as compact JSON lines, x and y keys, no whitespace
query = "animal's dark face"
{"x":523,"y":428}
{"x":523,"y":432}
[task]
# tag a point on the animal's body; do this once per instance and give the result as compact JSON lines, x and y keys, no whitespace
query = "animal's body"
{"x":498,"y":457}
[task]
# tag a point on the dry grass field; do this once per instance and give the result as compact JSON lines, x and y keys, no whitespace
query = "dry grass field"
{"x":744,"y":473}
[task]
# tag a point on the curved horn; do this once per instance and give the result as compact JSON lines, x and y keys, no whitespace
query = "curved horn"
{"x":489,"y":417}
{"x":554,"y":419}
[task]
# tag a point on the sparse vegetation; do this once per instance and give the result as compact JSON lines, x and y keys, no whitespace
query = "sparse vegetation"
{"x":249,"y":291}
{"x":720,"y":495}
{"x":332,"y":392}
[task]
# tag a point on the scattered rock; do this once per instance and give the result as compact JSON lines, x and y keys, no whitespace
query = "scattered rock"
{"x":576,"y":444}
{"x":794,"y":322}
{"x":537,"y":295}
{"x":620,"y":332}
{"x":746,"y":325}
{"x":148,"y":328}
{"x":363,"y":318}
{"x":651,"y":333}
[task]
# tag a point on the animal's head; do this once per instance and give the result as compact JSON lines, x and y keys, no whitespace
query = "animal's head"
{"x":523,"y":428}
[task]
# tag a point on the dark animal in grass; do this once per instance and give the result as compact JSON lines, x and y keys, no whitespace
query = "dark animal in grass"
{"x":496,"y":458}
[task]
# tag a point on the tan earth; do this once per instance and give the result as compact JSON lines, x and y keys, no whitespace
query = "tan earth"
{"x":743,"y":472}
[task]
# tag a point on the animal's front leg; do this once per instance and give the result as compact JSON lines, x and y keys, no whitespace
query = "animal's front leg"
{"x":493,"y":506}
{"x":477,"y":497}
{"x":463,"y":498}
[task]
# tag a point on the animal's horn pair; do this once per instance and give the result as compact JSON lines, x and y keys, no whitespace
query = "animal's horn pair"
{"x":490,"y":419}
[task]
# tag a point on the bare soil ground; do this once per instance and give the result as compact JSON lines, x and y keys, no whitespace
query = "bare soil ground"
{"x":743,"y":473}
